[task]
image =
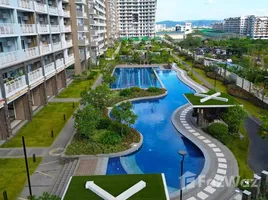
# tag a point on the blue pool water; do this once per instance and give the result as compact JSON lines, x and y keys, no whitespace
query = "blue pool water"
{"x":135,"y":77}
{"x":161,"y":140}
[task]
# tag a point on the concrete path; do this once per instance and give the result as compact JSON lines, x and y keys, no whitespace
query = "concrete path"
{"x":58,"y":100}
{"x":19,"y":153}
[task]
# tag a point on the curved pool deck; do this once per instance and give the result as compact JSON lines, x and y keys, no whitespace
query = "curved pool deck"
{"x":219,"y":162}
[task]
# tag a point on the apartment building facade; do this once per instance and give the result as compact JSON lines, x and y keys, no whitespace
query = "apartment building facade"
{"x":36,"y":57}
{"x":136,"y":18}
{"x":256,"y":27}
{"x":218,"y":26}
{"x":111,"y":22}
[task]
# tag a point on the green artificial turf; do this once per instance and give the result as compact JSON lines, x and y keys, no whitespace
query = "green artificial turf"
{"x":13,"y":175}
{"x":115,"y":185}
{"x":37,"y":132}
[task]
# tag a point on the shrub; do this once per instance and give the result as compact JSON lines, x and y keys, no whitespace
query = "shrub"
{"x":125,"y":92}
{"x":92,"y":75}
{"x":110,"y":138}
{"x":118,"y":127}
{"x":219,"y":131}
{"x":136,"y":89}
{"x":153,"y":89}
{"x":104,"y":123}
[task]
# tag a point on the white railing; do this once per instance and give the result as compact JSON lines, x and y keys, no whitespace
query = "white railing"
{"x":31,"y":52}
{"x":87,"y":54}
{"x":43,"y":28}
{"x":28,"y":28}
{"x":70,"y":57}
{"x":55,"y":28}
{"x":56,"y":46}
{"x":66,"y":13}
{"x":67,"y":28}
{"x":26,"y":4}
{"x":50,"y":68}
{"x":59,"y":63}
{"x":4,"y":2}
{"x":6,"y":29}
{"x":14,"y":86}
{"x":9,"y":57}
{"x":35,"y":75}
{"x":69,"y":43}
{"x":39,"y":7}
{"x":53,"y":10}
{"x":45,"y":48}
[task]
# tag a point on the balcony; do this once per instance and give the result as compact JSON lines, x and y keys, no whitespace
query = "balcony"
{"x":81,"y":14}
{"x":69,"y":43}
{"x":69,"y":60}
{"x":28,"y":29}
{"x":67,"y":28}
{"x":81,"y":2}
{"x":52,"y":10}
{"x":83,"y":42}
{"x":55,"y":28}
{"x":35,"y":76}
{"x":7,"y":29}
{"x":56,"y":46}
{"x":87,"y":54}
{"x":25,"y":4}
{"x":13,"y":57}
{"x":5,"y":2}
{"x":14,"y":86}
{"x":59,"y":64}
{"x":82,"y":28}
{"x":49,"y":69}
{"x":45,"y":48}
{"x":43,"y":28}
{"x":66,"y":13}
{"x":39,"y":7}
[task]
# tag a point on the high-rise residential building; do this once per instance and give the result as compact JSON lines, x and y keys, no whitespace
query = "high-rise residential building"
{"x":136,"y":18}
{"x":218,"y":26}
{"x":111,"y":21}
{"x":36,"y":57}
{"x":256,"y":27}
{"x":98,"y":32}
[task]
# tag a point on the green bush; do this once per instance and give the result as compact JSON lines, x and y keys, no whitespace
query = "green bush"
{"x":118,"y":127}
{"x":153,"y":89}
{"x":219,"y":131}
{"x":125,"y":92}
{"x":92,"y":75}
{"x":110,"y":138}
{"x":104,"y":123}
{"x":136,"y":89}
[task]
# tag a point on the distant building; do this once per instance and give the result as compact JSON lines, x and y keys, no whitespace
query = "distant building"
{"x":219,"y":26}
{"x":186,"y":28}
{"x":256,"y":27}
{"x":160,"y":27}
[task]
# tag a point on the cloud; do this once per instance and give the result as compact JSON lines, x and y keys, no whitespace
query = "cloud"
{"x":210,"y":2}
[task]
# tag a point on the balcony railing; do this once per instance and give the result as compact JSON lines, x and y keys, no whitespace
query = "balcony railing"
{"x":14,"y":86}
{"x":69,"y":59}
{"x":43,"y":28}
{"x":26,"y":4}
{"x":39,"y":7}
{"x":59,"y":63}
{"x":7,"y":29}
{"x":28,"y":28}
{"x":35,"y":75}
{"x":4,"y":2}
{"x":83,"y":42}
{"x":9,"y":58}
{"x":66,"y":13}
{"x":50,"y":68}
{"x":82,"y":28}
{"x":56,"y":46}
{"x":45,"y":48}
{"x":67,"y":28}
{"x":69,"y":43}
{"x":53,"y":10}
{"x":55,"y":28}
{"x":81,"y":14}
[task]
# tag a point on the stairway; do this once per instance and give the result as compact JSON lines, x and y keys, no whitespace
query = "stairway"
{"x":62,"y":180}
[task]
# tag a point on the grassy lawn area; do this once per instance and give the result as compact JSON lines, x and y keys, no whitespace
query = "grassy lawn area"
{"x":13,"y":175}
{"x":115,"y":185}
{"x":37,"y":132}
{"x":76,"y":87}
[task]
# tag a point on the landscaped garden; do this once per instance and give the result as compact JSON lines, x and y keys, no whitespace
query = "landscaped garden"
{"x":13,"y":175}
{"x":37,"y":132}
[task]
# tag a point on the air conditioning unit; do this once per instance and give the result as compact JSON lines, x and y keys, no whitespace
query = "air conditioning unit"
{"x":25,"y":18}
{"x":29,"y":41}
{"x":44,"y":39}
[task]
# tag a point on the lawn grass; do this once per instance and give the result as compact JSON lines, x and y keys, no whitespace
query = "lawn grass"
{"x":115,"y":185}
{"x":13,"y":175}
{"x":37,"y":132}
{"x":76,"y":87}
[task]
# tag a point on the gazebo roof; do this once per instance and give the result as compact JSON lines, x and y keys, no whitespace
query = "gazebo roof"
{"x":195,"y":100}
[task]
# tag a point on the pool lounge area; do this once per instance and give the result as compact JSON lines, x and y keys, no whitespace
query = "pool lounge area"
{"x":161,"y":141}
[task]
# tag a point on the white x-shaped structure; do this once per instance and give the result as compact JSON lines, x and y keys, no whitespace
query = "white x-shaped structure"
{"x":208,"y":97}
{"x":107,"y":196}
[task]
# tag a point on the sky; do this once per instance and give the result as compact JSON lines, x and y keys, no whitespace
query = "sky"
{"x":177,"y":10}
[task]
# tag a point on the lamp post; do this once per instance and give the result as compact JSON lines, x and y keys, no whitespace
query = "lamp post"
{"x":183,"y":154}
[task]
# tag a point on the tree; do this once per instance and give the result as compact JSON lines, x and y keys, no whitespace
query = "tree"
{"x":108,"y":78}
{"x":86,"y":121}
{"x":45,"y":196}
{"x":124,"y":114}
{"x":235,"y":117}
{"x":99,"y":97}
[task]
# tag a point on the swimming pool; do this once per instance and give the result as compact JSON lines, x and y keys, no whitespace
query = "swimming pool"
{"x":135,"y":77}
{"x":161,"y":140}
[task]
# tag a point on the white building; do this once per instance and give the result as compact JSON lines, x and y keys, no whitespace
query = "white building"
{"x":136,"y":18}
{"x":160,"y":27}
{"x":218,"y":26}
{"x":111,"y":21}
{"x":186,"y":28}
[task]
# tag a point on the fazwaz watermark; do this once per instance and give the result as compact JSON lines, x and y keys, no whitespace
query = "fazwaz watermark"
{"x":191,"y":180}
